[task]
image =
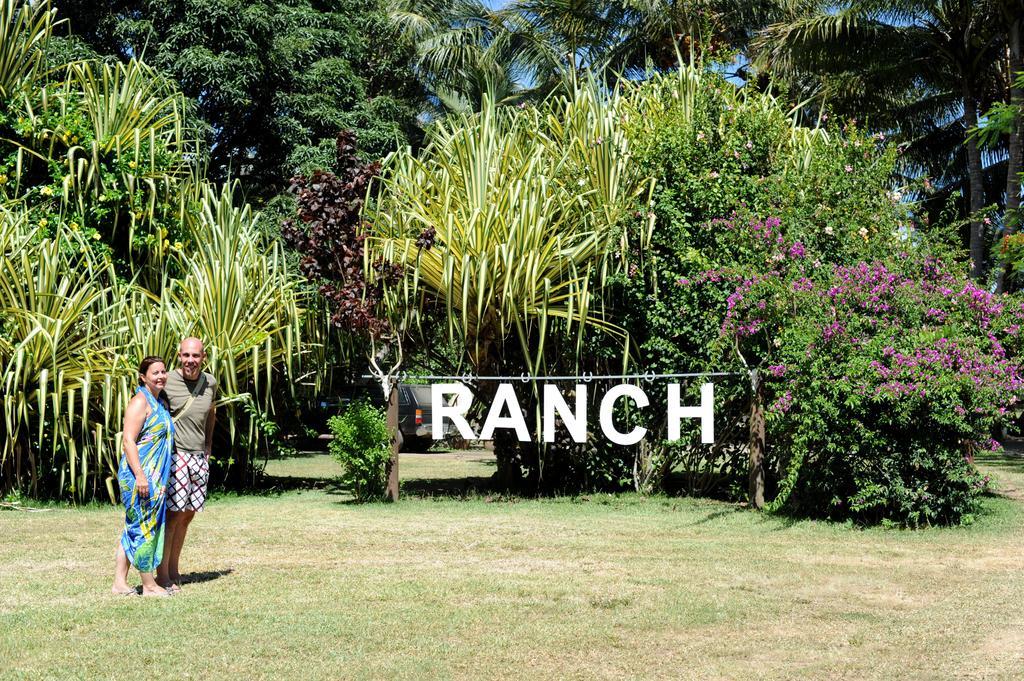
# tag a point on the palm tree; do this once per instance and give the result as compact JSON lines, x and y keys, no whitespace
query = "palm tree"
{"x":1013,"y":14}
{"x":629,"y":38}
{"x":462,"y":52}
{"x":531,"y":48}
{"x":920,"y":69}
{"x":521,"y":206}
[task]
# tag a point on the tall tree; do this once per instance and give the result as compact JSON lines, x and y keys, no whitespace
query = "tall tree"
{"x":921,"y":69}
{"x":629,"y":37}
{"x":275,"y":80}
{"x":1013,"y":13}
{"x":463,"y":51}
{"x":529,"y":48}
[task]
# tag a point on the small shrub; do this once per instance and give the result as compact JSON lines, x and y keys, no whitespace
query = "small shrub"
{"x":362,"y":445}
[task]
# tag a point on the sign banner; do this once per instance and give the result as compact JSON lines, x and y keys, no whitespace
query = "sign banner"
{"x":506,"y":412}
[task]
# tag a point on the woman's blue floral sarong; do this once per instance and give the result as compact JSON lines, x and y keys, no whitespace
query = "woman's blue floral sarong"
{"x":143,"y":537}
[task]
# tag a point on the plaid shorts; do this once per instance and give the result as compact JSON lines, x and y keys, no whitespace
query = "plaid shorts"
{"x":190,"y":474}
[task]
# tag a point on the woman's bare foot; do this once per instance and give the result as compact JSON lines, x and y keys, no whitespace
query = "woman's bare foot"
{"x":123,"y":590}
{"x":157,"y":592}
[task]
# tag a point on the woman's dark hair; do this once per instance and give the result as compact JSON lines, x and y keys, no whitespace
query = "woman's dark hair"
{"x":148,"y":362}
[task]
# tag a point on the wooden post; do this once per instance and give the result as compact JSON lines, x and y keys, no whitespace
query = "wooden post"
{"x":393,"y":427}
{"x":756,"y":441}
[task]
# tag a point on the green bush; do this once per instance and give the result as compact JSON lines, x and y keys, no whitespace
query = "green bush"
{"x":719,"y":155}
{"x":362,"y":445}
{"x":789,"y":250}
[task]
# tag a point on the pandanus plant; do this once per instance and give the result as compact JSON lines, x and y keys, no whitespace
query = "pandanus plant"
{"x":25,"y":27}
{"x":58,"y":364}
{"x":73,"y":333}
{"x":239,"y":296}
{"x":506,"y":221}
{"x":115,"y":130}
{"x":72,"y":327}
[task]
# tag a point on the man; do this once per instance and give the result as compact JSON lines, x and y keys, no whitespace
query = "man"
{"x":191,"y":393}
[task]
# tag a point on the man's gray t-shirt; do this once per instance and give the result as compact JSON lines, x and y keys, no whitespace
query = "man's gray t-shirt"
{"x":190,"y":427}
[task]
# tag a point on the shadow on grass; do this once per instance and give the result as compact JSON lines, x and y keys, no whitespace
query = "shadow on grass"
{"x":715,"y":515}
{"x":208,"y":576}
{"x":273,"y":485}
{"x":449,"y":488}
{"x":307,"y":451}
{"x":1010,"y":462}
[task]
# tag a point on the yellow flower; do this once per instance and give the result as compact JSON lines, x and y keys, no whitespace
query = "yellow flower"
{"x":95,"y":236}
{"x":43,"y":222}
{"x":74,"y":139}
{"x":177,"y":246}
{"x":166,"y":243}
{"x":132,"y":164}
{"x":46,"y":191}
{"x":138,"y":215}
{"x":3,"y":179}
{"x":73,"y":226}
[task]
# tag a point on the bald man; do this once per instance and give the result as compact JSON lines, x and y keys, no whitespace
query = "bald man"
{"x":191,"y":392}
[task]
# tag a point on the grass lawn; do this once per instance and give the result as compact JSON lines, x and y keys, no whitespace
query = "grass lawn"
{"x":302,"y":584}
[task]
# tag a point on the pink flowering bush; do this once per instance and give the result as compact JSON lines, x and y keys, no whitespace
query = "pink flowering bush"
{"x":719,"y":159}
{"x":882,"y":378}
{"x":883,"y":367}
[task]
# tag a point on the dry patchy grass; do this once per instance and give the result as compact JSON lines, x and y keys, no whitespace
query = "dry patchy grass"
{"x":305,"y":585}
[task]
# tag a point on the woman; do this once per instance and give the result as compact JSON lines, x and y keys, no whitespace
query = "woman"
{"x":148,"y":445}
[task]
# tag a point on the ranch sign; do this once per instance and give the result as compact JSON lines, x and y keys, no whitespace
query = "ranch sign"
{"x":505,"y":412}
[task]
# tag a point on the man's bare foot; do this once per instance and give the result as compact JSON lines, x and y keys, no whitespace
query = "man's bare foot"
{"x":158,"y":592}
{"x":172,"y":584}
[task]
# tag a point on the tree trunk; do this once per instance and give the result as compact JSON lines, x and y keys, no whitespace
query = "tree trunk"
{"x":1016,"y":146}
{"x":756,"y":441}
{"x":508,"y":454}
{"x":1012,"y":218}
{"x":393,"y":427}
{"x":508,"y":474}
{"x":977,"y":187}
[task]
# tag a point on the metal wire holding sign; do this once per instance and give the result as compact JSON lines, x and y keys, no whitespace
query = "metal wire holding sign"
{"x":404,"y":377}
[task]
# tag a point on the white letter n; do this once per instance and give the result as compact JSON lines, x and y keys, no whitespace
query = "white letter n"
{"x":575,"y":423}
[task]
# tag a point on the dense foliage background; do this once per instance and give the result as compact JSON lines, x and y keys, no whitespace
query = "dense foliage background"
{"x":273,"y":81}
{"x":115,"y":246}
{"x":541,"y":188}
